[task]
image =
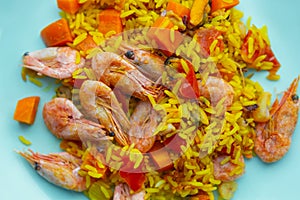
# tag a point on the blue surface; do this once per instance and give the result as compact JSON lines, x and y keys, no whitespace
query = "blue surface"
{"x":20,"y":25}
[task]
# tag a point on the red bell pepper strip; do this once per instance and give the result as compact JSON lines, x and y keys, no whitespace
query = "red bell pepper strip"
{"x":189,"y":88}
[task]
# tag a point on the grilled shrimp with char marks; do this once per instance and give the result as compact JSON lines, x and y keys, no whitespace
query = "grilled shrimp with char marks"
{"x":55,"y":62}
{"x":273,"y":138}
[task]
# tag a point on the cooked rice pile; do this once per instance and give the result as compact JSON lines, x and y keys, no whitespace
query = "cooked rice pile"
{"x":220,"y":131}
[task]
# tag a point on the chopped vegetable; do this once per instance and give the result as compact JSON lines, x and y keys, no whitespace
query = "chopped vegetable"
{"x":256,"y":50}
{"x":201,"y":196}
{"x":227,"y":189}
{"x":262,"y":114}
{"x":178,"y":9}
{"x":109,"y":20}
{"x":206,"y":36}
{"x":189,"y":88}
{"x":68,"y":6}
{"x":198,"y":11}
{"x":57,"y":33}
{"x":220,"y":4}
{"x":26,"y":109}
{"x":167,"y":39}
{"x":24,"y":140}
{"x":161,"y":157}
{"x":86,"y":44}
{"x":174,"y":143}
{"x":134,"y":180}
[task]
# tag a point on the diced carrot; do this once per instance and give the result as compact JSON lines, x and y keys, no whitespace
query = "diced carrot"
{"x":68,"y":6}
{"x":220,"y":4}
{"x":178,"y":9}
{"x":26,"y":109}
{"x":57,"y":33}
{"x":86,"y":44}
{"x":161,"y":157}
{"x":168,"y":40}
{"x":109,"y":20}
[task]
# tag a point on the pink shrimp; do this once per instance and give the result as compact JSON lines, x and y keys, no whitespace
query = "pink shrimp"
{"x":144,"y":121}
{"x":216,"y":89}
{"x":115,"y":71}
{"x":122,"y":192}
{"x":150,"y":64}
{"x":274,"y":136}
{"x":100,"y":102}
{"x":60,"y":169}
{"x":225,"y":172}
{"x":65,"y":121}
{"x":55,"y":62}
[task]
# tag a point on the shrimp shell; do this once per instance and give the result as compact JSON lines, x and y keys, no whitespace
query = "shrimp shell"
{"x":114,"y":71}
{"x":60,"y":169}
{"x":100,"y":102}
{"x":65,"y":121}
{"x":274,"y":136}
{"x":55,"y":62}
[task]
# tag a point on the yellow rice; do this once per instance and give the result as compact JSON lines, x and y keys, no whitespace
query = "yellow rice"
{"x":217,"y":131}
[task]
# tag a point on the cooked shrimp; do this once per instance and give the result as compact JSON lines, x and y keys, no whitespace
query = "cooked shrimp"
{"x":114,"y":71}
{"x":225,"y":172}
{"x":150,"y":64}
{"x":122,"y":192}
{"x":99,"y":101}
{"x":143,"y":121}
{"x":60,"y":169}
{"x":65,"y":121}
{"x":55,"y":62}
{"x":274,"y":136}
{"x":216,"y":89}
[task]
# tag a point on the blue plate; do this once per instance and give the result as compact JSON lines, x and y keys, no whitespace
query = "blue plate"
{"x":20,"y":26}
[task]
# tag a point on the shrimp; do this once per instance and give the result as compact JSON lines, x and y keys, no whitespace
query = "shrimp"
{"x":55,"y":62}
{"x":150,"y":64}
{"x":216,"y":89}
{"x":99,"y":101}
{"x":65,"y":121}
{"x":144,"y":121}
{"x":274,"y":136}
{"x":114,"y":71}
{"x":60,"y":169}
{"x":225,"y":172}
{"x":122,"y":192}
